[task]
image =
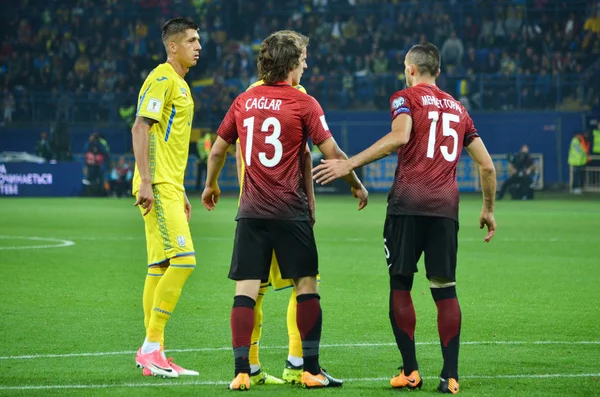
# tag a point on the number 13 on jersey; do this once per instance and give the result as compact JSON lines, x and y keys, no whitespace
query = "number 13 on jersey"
{"x":272,"y":140}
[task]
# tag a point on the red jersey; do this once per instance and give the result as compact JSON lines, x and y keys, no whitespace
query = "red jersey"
{"x":273,"y":123}
{"x":425,"y":179}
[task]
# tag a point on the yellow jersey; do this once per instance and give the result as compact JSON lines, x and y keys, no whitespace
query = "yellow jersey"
{"x":166,"y":98}
{"x":256,"y":84}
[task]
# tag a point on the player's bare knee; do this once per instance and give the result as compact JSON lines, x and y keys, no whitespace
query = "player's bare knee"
{"x":248,"y":288}
{"x":441,"y":282}
{"x":306,"y":285}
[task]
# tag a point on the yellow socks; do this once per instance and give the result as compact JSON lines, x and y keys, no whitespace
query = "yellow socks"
{"x":155,"y":273}
{"x":295,"y":347}
{"x":166,"y":295}
{"x":257,"y":331}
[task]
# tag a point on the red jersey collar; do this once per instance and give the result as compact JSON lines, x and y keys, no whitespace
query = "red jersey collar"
{"x":426,"y":84}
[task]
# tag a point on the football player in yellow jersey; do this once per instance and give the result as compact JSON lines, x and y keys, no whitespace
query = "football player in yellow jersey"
{"x":292,"y":372}
{"x":161,"y":138}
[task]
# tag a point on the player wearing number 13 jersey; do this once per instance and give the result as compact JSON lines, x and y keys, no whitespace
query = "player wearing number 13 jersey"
{"x":429,"y":131}
{"x":273,"y":122}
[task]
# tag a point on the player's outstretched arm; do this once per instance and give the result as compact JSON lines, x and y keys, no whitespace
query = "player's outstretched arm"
{"x":141,"y":150}
{"x":216,"y":159}
{"x":487,"y":172}
{"x":308,"y":183}
{"x":330,"y":170}
{"x":332,"y":152}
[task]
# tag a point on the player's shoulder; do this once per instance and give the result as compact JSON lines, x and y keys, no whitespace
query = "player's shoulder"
{"x":455,"y":103}
{"x":301,"y":88}
{"x":255,"y":84}
{"x":404,"y":97}
{"x":162,"y":73}
{"x":306,"y":101}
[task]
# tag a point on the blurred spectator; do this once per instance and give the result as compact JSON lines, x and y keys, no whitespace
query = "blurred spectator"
{"x":96,"y":160}
{"x":203,"y":146}
{"x":521,"y":169}
{"x":8,"y":107}
{"x":127,"y":113}
{"x":61,"y":141}
{"x":579,"y":151}
{"x":120,"y":179}
{"x":43,"y":147}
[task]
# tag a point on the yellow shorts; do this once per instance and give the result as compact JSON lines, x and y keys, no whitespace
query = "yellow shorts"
{"x":275,"y":279}
{"x":167,"y":230}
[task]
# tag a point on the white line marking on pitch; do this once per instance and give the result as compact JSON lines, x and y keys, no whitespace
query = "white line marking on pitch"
{"x":217,"y":383}
{"x":346,"y":240}
{"x":325,"y":345}
{"x":58,"y":243}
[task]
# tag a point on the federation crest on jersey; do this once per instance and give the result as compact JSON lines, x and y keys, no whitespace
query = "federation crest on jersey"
{"x":181,"y":241}
{"x":398,"y":102}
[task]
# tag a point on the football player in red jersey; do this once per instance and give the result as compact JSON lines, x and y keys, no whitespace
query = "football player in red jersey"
{"x":273,"y":122}
{"x":429,"y":130}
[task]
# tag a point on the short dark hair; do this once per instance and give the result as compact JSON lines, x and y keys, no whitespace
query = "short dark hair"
{"x":426,"y":57}
{"x":176,"y":26}
{"x":279,"y":54}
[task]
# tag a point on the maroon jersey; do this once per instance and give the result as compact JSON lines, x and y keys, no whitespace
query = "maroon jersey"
{"x":425,"y":179}
{"x":273,"y":123}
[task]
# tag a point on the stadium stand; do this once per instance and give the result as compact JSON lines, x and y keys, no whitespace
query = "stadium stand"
{"x":83,"y":60}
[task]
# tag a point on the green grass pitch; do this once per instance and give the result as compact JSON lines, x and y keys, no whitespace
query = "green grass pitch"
{"x":71,"y":316}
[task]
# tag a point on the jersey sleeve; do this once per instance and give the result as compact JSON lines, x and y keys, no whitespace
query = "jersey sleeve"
{"x":400,"y":103}
{"x":314,"y":121}
{"x":228,"y":129}
{"x":470,"y":131}
{"x":153,"y":95}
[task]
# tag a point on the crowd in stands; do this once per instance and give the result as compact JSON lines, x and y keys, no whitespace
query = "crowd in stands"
{"x":84,"y":60}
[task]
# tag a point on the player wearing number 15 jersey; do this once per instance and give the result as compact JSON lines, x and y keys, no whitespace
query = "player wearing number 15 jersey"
{"x":429,"y":131}
{"x":273,"y":123}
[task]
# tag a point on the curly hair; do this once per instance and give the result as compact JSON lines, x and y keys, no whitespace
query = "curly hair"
{"x":279,"y":54}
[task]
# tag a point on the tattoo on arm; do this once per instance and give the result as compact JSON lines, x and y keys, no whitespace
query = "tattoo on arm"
{"x":147,"y":121}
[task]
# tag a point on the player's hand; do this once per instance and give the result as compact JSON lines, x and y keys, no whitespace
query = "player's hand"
{"x":210,"y":197}
{"x":187,"y":207}
{"x":487,"y":219}
{"x":363,"y":195}
{"x":145,"y":197}
{"x":330,"y":170}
